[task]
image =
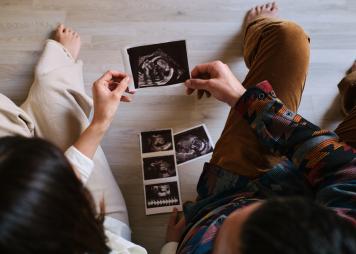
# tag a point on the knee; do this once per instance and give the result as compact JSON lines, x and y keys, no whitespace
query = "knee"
{"x":291,"y":32}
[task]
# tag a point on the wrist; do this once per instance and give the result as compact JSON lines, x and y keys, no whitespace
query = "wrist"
{"x":99,"y":127}
{"x":236,"y":97}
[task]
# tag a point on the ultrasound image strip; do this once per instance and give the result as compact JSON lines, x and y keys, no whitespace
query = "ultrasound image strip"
{"x":159,"y":64}
{"x":159,"y":169}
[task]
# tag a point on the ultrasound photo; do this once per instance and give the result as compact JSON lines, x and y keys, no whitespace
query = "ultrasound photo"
{"x":160,"y":64}
{"x":159,"y":167}
{"x":162,"y":195}
{"x":156,"y":141}
{"x":192,"y":144}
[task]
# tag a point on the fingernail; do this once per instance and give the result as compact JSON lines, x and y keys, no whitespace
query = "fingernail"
{"x":187,"y":82}
{"x":126,"y":79}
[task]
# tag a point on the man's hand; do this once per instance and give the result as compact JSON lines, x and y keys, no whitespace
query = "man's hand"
{"x":217,"y":79}
{"x":108,"y":91}
{"x":175,"y":227}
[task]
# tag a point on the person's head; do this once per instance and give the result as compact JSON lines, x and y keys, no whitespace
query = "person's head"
{"x":44,"y":208}
{"x":285,"y":226}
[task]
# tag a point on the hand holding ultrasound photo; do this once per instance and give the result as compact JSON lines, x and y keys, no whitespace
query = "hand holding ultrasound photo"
{"x":157,"y":65}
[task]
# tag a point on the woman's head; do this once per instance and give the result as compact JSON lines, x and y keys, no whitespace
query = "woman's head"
{"x":44,"y":208}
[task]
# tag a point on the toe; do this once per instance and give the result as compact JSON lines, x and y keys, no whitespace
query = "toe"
{"x":274,"y":6}
{"x":59,"y":29}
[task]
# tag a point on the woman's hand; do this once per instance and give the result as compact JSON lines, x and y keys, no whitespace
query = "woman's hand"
{"x":108,"y":91}
{"x":175,"y":227}
{"x":217,"y":79}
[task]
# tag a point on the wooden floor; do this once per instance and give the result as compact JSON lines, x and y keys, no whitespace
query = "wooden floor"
{"x":211,"y":29}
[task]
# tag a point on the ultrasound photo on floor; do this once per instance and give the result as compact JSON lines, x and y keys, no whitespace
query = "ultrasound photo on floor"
{"x":162,"y":195}
{"x":160,"y":64}
{"x":157,"y":141}
{"x":159,"y":167}
{"x":192,"y":143}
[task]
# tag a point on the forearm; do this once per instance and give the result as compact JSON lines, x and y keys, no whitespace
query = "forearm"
{"x":90,"y":139}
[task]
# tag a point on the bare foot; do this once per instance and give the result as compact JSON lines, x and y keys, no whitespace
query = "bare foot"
{"x":266,"y":10}
{"x":69,"y":39}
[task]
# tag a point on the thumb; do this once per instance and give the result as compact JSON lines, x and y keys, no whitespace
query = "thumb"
{"x":121,"y":88}
{"x":200,"y":84}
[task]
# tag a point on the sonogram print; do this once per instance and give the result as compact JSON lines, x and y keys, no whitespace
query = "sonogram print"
{"x":163,"y":194}
{"x":192,"y":143}
{"x":159,"y":64}
{"x":157,"y":141}
{"x":157,"y":69}
{"x":159,"y":167}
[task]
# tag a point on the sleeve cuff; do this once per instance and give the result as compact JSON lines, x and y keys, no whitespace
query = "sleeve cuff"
{"x":81,"y":164}
{"x":169,"y":248}
{"x":258,"y":92}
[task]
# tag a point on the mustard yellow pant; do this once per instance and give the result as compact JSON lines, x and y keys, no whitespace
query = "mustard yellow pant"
{"x":277,"y":51}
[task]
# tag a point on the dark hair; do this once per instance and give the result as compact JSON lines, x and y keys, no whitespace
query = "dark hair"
{"x":296,"y":226}
{"x":44,"y":207}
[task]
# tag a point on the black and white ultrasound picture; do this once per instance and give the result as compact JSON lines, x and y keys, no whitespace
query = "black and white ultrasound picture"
{"x":159,"y":167}
{"x":191,"y":144}
{"x":156,"y":141}
{"x":163,"y":194}
{"x":160,"y":64}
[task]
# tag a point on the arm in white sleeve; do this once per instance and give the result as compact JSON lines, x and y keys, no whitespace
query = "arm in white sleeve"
{"x":169,"y":248}
{"x":82,"y":165}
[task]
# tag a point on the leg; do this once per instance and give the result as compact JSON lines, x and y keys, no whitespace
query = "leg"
{"x":13,"y":120}
{"x":347,"y":128}
{"x":277,"y":51}
{"x":60,"y":108}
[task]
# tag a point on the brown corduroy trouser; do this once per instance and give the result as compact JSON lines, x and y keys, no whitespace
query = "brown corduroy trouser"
{"x":277,"y":51}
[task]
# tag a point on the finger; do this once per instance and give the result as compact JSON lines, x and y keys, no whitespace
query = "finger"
{"x":189,"y":91}
{"x":173,"y":218}
{"x":112,"y":85}
{"x":125,"y":98}
{"x":61,"y":27}
{"x":121,"y":88}
{"x":111,"y":74}
{"x":133,"y":91}
{"x":200,"y":84}
{"x":181,"y":223}
{"x":200,"y":94}
{"x":201,"y":69}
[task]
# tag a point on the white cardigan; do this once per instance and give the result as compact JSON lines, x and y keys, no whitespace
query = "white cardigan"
{"x":117,"y":232}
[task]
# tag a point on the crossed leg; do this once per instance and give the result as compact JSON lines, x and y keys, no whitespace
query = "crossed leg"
{"x":277,"y":51}
{"x":59,"y":108}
